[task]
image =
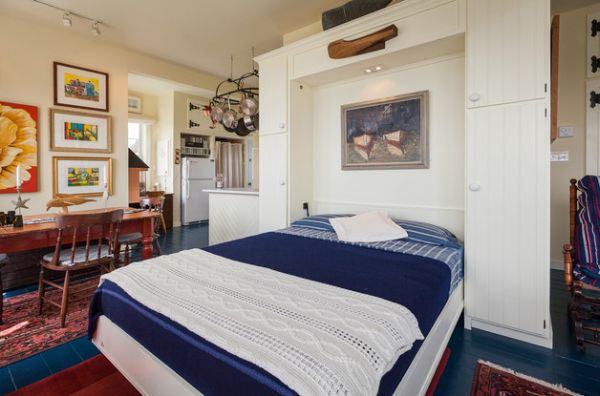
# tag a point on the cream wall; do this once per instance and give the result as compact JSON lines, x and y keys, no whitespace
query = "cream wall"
{"x":572,"y":104}
{"x":440,"y":188}
{"x":149,"y":106}
{"x":26,"y":77}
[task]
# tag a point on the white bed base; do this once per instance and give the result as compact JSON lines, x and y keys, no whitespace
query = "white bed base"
{"x":152,"y":377}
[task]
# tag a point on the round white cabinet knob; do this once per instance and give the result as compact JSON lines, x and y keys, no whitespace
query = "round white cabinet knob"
{"x":282,"y":183}
{"x":281,"y":125}
{"x":474,"y":97}
{"x":474,"y":187}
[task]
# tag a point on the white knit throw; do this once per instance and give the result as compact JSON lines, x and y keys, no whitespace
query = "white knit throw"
{"x":316,"y":338}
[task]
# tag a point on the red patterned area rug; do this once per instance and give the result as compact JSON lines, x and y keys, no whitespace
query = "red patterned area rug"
{"x":94,"y":377}
{"x":492,"y":380}
{"x":25,"y":333}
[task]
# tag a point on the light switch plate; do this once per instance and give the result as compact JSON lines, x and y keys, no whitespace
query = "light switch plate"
{"x":559,"y":156}
{"x":566,"y":131}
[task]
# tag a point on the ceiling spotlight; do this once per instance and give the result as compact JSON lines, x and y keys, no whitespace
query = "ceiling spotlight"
{"x":66,"y":19}
{"x":373,"y":69}
{"x":96,"y":28}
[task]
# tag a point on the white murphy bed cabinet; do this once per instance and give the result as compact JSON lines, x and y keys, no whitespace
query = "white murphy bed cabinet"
{"x":507,"y":289}
{"x":506,"y":44}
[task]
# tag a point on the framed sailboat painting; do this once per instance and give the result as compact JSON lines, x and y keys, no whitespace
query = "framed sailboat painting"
{"x":390,"y":133}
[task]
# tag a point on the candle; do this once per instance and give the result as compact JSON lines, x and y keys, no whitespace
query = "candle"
{"x":19,"y":175}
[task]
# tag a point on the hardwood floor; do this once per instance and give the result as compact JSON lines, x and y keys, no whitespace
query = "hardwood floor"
{"x":579,"y":371}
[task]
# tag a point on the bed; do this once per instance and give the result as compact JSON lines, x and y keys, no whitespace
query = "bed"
{"x":160,"y":356}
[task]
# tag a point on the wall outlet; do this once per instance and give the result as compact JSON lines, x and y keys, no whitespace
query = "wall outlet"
{"x":559,"y":156}
{"x":566,"y":131}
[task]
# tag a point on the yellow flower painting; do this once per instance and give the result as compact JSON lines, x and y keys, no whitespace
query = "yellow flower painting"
{"x":18,"y":146}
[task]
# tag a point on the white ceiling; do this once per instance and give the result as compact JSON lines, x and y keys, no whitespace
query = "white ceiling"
{"x":197,"y":33}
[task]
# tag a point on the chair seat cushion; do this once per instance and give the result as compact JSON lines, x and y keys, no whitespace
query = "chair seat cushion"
{"x":65,"y":255}
{"x":133,"y":237}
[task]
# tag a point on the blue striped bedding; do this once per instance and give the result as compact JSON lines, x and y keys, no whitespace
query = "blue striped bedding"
{"x":451,"y":255}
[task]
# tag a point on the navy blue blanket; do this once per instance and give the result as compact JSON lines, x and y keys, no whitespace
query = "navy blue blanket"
{"x":421,"y":284}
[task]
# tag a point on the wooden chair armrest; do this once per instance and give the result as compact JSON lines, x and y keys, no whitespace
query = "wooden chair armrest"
{"x":568,"y":264}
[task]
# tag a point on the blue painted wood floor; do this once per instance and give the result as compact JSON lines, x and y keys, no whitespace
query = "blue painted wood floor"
{"x":579,"y":371}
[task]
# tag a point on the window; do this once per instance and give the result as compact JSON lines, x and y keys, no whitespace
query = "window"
{"x":139,"y":140}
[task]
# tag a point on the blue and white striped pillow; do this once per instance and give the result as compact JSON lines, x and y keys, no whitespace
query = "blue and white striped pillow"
{"x":417,"y":231}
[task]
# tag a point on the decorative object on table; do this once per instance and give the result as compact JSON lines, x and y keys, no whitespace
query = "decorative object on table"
{"x":85,"y":176}
{"x":2,"y":219}
{"x":80,"y":87}
{"x":18,"y":147}
{"x":20,"y":203}
{"x":10,"y":217}
{"x":220,"y":183}
{"x":351,"y":10}
{"x":492,"y":380}
{"x":340,"y":49}
{"x":222,"y":107}
{"x":134,"y":104}
{"x":390,"y":133}
{"x":80,"y":132}
{"x":64,"y":201}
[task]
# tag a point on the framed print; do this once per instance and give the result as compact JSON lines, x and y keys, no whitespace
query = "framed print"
{"x":85,"y":176}
{"x":81,"y":132}
{"x":79,"y":87}
{"x":390,"y":133}
{"x":134,"y":104}
{"x":18,"y":146}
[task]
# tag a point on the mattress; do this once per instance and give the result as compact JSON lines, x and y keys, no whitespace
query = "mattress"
{"x":419,"y":283}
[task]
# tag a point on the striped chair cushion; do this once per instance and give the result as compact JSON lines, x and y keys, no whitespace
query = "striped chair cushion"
{"x":65,"y":255}
{"x":587,"y":231}
{"x":417,"y":231}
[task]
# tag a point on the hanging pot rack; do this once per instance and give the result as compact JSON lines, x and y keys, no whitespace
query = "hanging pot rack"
{"x":240,"y":89}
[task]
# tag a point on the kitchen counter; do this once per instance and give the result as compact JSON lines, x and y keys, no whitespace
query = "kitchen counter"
{"x":232,"y":213}
{"x":239,"y":191}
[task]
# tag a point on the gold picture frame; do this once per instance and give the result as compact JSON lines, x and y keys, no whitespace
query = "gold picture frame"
{"x":70,"y":131}
{"x":83,"y":176}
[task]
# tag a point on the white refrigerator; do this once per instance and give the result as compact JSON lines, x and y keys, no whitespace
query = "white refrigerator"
{"x":197,"y":174}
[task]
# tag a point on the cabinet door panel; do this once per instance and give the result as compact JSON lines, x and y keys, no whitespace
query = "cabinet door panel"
{"x":273,"y":84}
{"x":273,"y":194}
{"x":507,"y":46}
{"x":507,"y":230}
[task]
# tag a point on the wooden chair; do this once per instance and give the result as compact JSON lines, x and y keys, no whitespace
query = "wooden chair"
{"x":584,"y":307}
{"x":101,"y":232}
{"x":154,"y":201}
{"x":2,"y":260}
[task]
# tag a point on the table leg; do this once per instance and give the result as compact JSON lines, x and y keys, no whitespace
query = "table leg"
{"x":1,"y":296}
{"x":148,"y":232}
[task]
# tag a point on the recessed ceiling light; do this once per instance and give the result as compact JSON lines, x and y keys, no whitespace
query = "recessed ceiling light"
{"x":66,"y":20}
{"x":95,"y":28}
{"x":373,"y":69}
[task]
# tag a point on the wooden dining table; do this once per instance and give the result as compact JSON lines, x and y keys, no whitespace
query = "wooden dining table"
{"x":39,"y":231}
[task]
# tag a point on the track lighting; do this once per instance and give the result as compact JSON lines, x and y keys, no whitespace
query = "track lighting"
{"x":66,"y":20}
{"x":95,"y":28}
{"x":67,"y":17}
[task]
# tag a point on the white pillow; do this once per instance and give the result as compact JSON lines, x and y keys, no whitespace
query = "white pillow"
{"x":367,"y":227}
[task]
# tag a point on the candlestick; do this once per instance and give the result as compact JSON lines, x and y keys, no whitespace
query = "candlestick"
{"x":18,"y":176}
